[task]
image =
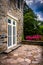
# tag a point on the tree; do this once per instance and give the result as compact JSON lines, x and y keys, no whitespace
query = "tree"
{"x":30,"y":23}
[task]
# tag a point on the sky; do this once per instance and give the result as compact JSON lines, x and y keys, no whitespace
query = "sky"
{"x":37,"y":7}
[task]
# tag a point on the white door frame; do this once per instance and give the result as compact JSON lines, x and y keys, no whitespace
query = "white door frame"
{"x":12,"y":32}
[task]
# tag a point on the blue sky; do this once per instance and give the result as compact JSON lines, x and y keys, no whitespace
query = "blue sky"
{"x":37,"y":7}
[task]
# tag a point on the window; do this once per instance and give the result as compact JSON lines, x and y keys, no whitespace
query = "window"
{"x":12,"y":33}
{"x":13,"y":22}
{"x":18,"y":4}
{"x":15,"y":3}
{"x":9,"y":21}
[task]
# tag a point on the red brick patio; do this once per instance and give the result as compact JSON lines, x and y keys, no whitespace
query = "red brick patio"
{"x":24,"y":55}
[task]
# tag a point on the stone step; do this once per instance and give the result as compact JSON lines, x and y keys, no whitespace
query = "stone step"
{"x":13,"y":48}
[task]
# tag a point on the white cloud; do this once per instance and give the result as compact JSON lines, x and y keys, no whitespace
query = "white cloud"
{"x":35,"y":1}
{"x":29,"y":2}
{"x":39,"y":17}
{"x":41,"y":1}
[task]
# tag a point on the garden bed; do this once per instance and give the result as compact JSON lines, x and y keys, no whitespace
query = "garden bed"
{"x":32,"y":42}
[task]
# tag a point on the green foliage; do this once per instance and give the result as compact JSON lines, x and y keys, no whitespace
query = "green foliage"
{"x":41,"y":29}
{"x":23,"y":37}
{"x":42,"y":23}
{"x":31,"y":26}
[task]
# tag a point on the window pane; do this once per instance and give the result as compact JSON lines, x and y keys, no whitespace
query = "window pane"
{"x":9,"y":30}
{"x":9,"y":41}
{"x":19,"y":4}
{"x":14,"y":22}
{"x":9,"y":21}
{"x":14,"y":35}
{"x":9,"y":35}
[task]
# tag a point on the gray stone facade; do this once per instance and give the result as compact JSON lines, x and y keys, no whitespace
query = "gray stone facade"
{"x":10,"y":6}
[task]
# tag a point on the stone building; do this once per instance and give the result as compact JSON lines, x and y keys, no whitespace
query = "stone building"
{"x":11,"y":24}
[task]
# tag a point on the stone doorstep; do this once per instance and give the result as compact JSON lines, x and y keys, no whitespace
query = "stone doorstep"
{"x":13,"y":48}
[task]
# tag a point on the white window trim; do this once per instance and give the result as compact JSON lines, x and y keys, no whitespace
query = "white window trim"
{"x":12,"y":17}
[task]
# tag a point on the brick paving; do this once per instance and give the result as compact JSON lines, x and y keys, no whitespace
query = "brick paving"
{"x":24,"y":55}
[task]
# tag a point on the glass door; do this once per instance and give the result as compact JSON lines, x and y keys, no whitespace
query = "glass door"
{"x":12,"y":39}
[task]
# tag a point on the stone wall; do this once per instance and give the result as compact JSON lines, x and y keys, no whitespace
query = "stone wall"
{"x":8,"y":6}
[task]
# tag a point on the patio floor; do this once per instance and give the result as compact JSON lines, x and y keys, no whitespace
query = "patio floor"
{"x":24,"y":55}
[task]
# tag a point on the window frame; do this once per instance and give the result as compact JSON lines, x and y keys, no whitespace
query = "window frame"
{"x":13,"y":19}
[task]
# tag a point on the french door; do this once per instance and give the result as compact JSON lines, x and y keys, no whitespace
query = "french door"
{"x":12,"y":36}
